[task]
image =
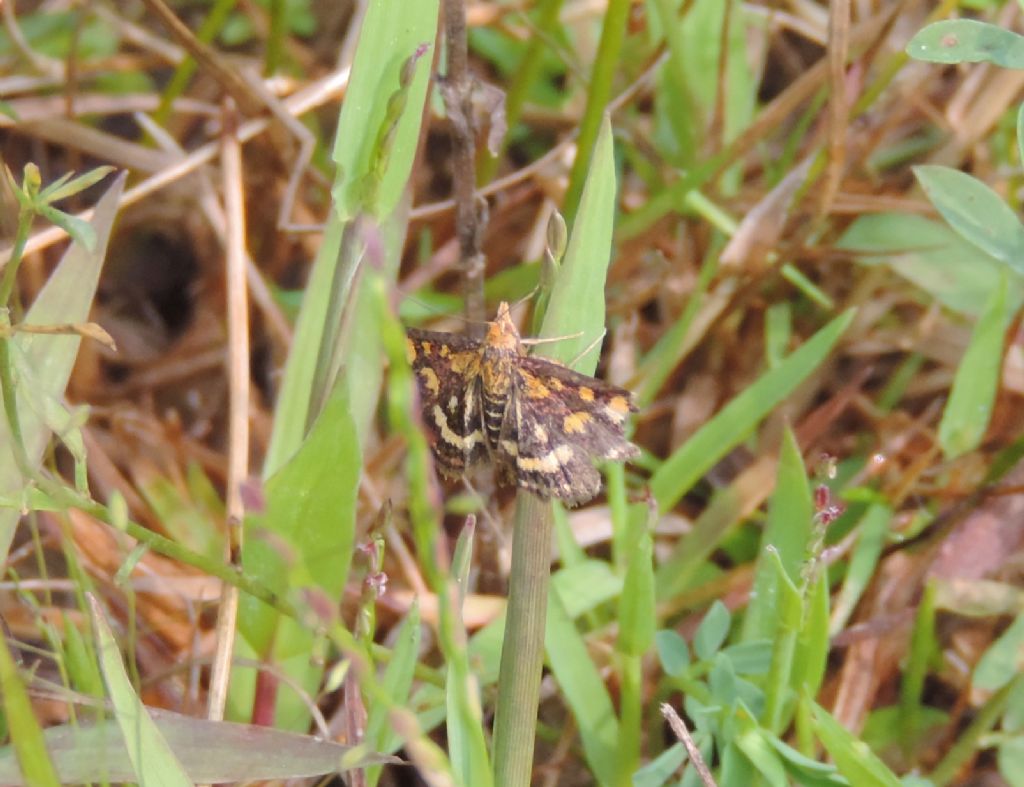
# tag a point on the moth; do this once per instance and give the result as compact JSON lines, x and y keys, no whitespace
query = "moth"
{"x":542,"y":425}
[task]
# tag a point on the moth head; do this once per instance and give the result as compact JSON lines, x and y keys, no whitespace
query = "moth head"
{"x":502,"y":333}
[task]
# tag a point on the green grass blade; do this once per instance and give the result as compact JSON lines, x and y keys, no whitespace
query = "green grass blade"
{"x":853,"y":758}
{"x":395,"y":684}
{"x":584,"y":691}
{"x":870,"y":540}
{"x":466,"y":745}
{"x":152,"y":759}
{"x":592,"y":127}
{"x":577,"y":303}
{"x":788,"y":531}
{"x":636,"y":633}
{"x":736,"y":420}
{"x":357,"y":139}
{"x":27,"y":741}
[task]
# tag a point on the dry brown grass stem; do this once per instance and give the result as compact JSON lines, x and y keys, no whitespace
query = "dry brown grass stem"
{"x":238,"y":405}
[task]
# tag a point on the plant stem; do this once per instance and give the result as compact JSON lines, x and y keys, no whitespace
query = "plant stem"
{"x":14,"y":261}
{"x":522,"y":654}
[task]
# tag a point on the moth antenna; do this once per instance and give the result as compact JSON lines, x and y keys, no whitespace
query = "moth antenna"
{"x":549,"y":339}
{"x":587,"y":349}
{"x":591,"y":346}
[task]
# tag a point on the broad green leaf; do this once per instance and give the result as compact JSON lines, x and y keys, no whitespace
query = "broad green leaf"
{"x":585,"y":586}
{"x":1003,"y":659}
{"x":967,"y":41}
{"x":958,"y":274}
{"x":210,"y":752}
{"x":967,"y":414}
{"x":673,"y":652}
{"x":975,"y":212}
{"x":66,"y":297}
{"x":711,"y":633}
{"x":1010,"y":756}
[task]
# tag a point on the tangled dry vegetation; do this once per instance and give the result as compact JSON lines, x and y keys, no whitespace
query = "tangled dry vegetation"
{"x":764,"y":190}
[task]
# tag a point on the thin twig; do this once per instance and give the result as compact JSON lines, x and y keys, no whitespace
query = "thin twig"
{"x":679,"y":729}
{"x":457,"y":91}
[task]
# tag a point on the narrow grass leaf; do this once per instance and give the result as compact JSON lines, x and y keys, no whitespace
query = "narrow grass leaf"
{"x":812,"y":645}
{"x":80,"y":661}
{"x":966,"y":416}
{"x":391,"y":33}
{"x":788,"y":531}
{"x":467,"y":748}
{"x":576,"y":308}
{"x":852,"y":757}
{"x":788,"y":613}
{"x":975,"y":212}
{"x":735,"y":421}
{"x":763,"y":757}
{"x":586,"y":585}
{"x":923,"y":648}
{"x":396,"y":685}
{"x":871,"y":532}
{"x":1020,"y":132}
{"x":636,"y":604}
{"x":967,"y":41}
{"x":384,"y":47}
{"x":28,"y":760}
{"x":584,"y":691}
{"x":66,"y":297}
{"x":151,"y":757}
{"x":658,"y":771}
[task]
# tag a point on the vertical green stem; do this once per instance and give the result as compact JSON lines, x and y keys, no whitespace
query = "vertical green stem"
{"x":630,"y":716}
{"x":208,"y":30}
{"x":522,"y":654}
{"x":14,"y":261}
{"x":613,"y":33}
{"x":275,"y":38}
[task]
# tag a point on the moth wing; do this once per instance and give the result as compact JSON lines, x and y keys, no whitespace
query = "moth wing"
{"x":566,"y":421}
{"x":447,"y":371}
